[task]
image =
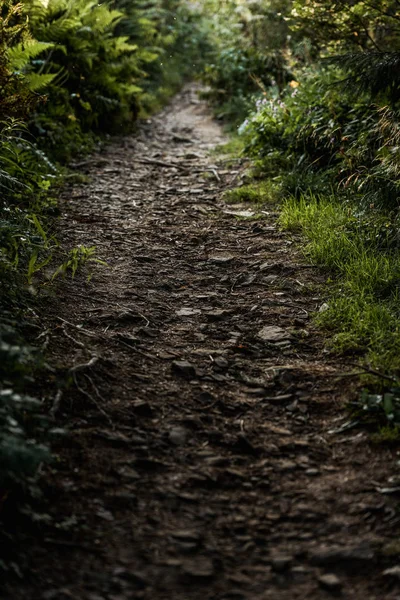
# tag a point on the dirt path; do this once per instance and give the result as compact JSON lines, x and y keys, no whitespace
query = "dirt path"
{"x":202,"y":462}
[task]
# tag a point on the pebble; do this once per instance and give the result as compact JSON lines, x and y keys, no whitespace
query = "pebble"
{"x":392,"y":572}
{"x":183,"y":368}
{"x":273,"y":333}
{"x":330,"y":581}
{"x":348,"y":556}
{"x":281,"y":563}
{"x":178,"y":435}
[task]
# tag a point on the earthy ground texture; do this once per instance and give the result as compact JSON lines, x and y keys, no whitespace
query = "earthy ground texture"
{"x":205,"y":457}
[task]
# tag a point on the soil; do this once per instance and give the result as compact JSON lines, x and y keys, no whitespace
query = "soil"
{"x":206,"y":457}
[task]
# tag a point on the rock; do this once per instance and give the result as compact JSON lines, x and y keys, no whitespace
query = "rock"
{"x":217,"y":315}
{"x":201,"y":569}
{"x":134,"y":577}
{"x":240,"y":213}
{"x":192,"y":155}
{"x":188,"y":312}
{"x":243,"y":445}
{"x":281,"y":562}
{"x":221,"y":362}
{"x":180,"y":139}
{"x":128,"y":473}
{"x":222,"y":259}
{"x":116,"y":438}
{"x":273,"y":333}
{"x":178,"y":435}
{"x":217,"y":461}
{"x":392,"y":572}
{"x":330,"y":581}
{"x":349,"y":557}
{"x":265,"y":266}
{"x":183,"y":368}
{"x":186,"y":534}
{"x":323,"y":308}
{"x":312,"y":472}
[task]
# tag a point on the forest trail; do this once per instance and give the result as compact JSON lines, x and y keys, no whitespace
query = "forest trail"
{"x":206,"y":459}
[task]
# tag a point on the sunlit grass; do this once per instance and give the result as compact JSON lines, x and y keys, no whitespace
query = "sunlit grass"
{"x":257,"y":193}
{"x":364,"y":308}
{"x":234,"y":147}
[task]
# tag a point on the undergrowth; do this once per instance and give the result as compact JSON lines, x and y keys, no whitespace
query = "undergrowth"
{"x":363,"y":310}
{"x":72,"y":72}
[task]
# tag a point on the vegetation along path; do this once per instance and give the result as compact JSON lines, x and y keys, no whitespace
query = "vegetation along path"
{"x":206,"y":456}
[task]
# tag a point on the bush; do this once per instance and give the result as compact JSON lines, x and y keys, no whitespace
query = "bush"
{"x":70,"y":70}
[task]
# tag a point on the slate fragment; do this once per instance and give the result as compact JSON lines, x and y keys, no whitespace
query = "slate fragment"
{"x":349,"y":557}
{"x":273,"y":333}
{"x":183,"y":368}
{"x":330,"y":582}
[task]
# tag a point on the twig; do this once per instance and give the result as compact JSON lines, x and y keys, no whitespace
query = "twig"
{"x":83,"y":366}
{"x":373,"y":372}
{"x":77,"y":342}
{"x":215,"y":173}
{"x":84,"y":331}
{"x":93,"y":400}
{"x":100,"y":398}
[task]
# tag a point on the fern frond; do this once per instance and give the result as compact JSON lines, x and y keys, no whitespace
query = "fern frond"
{"x":37,"y":81}
{"x":21,"y":54}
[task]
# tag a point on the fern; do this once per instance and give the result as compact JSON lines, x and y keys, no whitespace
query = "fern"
{"x":36,"y":81}
{"x":20,"y":55}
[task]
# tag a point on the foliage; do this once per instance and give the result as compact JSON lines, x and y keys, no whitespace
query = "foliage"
{"x":250,"y":53}
{"x":70,"y":70}
{"x":363,"y":307}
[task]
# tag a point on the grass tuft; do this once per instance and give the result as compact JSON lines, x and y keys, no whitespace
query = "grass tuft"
{"x":364,"y":308}
{"x":255,"y":193}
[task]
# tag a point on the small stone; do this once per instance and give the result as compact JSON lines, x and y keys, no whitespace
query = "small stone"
{"x":265,"y":266}
{"x":348,"y":557}
{"x":330,"y":581}
{"x":392,"y":572}
{"x":186,"y":535}
{"x":243,"y":445}
{"x":134,"y":577}
{"x":217,"y":315}
{"x":240,"y":213}
{"x":323,"y":308}
{"x":114,"y":437}
{"x":221,"y":362}
{"x":184,"y":369}
{"x":188,"y":312}
{"x":273,"y":333}
{"x":128,"y":473}
{"x":312,"y":472}
{"x":202,"y":569}
{"x":221,"y":258}
{"x":178,"y":435}
{"x":281,"y":563}
{"x":286,"y":465}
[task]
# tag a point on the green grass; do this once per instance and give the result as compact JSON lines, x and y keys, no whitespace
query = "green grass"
{"x":364,"y":309}
{"x":255,"y":193}
{"x":234,"y":147}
